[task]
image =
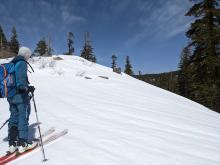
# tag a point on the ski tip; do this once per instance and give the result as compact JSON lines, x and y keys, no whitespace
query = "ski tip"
{"x":65,"y":131}
{"x":52,"y":129}
{"x":35,"y":124}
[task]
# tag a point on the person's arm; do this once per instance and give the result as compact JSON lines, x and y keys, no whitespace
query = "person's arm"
{"x":21,"y":76}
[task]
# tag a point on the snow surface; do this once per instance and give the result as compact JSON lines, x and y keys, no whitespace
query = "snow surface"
{"x":115,"y":121}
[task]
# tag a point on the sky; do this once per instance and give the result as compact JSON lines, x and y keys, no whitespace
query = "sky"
{"x":150,"y":32}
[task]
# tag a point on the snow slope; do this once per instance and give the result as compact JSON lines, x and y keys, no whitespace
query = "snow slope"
{"x":115,"y":121}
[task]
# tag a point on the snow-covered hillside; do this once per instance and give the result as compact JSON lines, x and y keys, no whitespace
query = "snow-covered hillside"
{"x":115,"y":121}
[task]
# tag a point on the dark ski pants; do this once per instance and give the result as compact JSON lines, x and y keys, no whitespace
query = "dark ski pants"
{"x":18,"y":122}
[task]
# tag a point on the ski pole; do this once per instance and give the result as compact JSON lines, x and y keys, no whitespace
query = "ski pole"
{"x":42,"y":146}
{"x":4,"y":124}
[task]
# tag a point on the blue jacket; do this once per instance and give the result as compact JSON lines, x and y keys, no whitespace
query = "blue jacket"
{"x":21,"y":80}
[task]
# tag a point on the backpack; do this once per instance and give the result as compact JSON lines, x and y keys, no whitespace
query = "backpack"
{"x":8,"y":80}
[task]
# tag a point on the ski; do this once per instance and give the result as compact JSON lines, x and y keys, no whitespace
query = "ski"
{"x":45,"y":134}
{"x":47,"y":141}
{"x":55,"y":136}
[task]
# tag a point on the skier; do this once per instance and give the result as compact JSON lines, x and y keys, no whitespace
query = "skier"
{"x":19,"y":105}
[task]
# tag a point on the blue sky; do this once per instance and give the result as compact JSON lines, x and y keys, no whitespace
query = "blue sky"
{"x":151,"y":32}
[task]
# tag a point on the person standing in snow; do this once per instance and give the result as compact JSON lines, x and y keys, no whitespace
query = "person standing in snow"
{"x":19,"y":105}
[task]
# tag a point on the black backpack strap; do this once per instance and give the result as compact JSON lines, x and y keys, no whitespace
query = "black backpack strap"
{"x":26,"y":63}
{"x":30,"y":66}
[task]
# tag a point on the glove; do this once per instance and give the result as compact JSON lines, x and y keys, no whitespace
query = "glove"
{"x":31,"y":89}
{"x":21,"y":90}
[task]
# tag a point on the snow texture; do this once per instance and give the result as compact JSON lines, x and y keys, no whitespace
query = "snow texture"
{"x":115,"y":121}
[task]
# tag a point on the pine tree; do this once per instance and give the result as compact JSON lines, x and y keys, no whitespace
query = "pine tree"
{"x":14,"y":44}
{"x":87,"y":51}
{"x":128,"y":67}
{"x":184,"y":76}
{"x":3,"y":40}
{"x":41,"y":49}
{"x":114,"y":58}
{"x":205,"y":40}
{"x":49,"y":50}
{"x":139,"y":73}
{"x":70,"y":44}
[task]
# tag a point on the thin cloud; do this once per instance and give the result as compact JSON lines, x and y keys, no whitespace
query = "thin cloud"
{"x":69,"y":18}
{"x":120,"y":6}
{"x":161,"y":20}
